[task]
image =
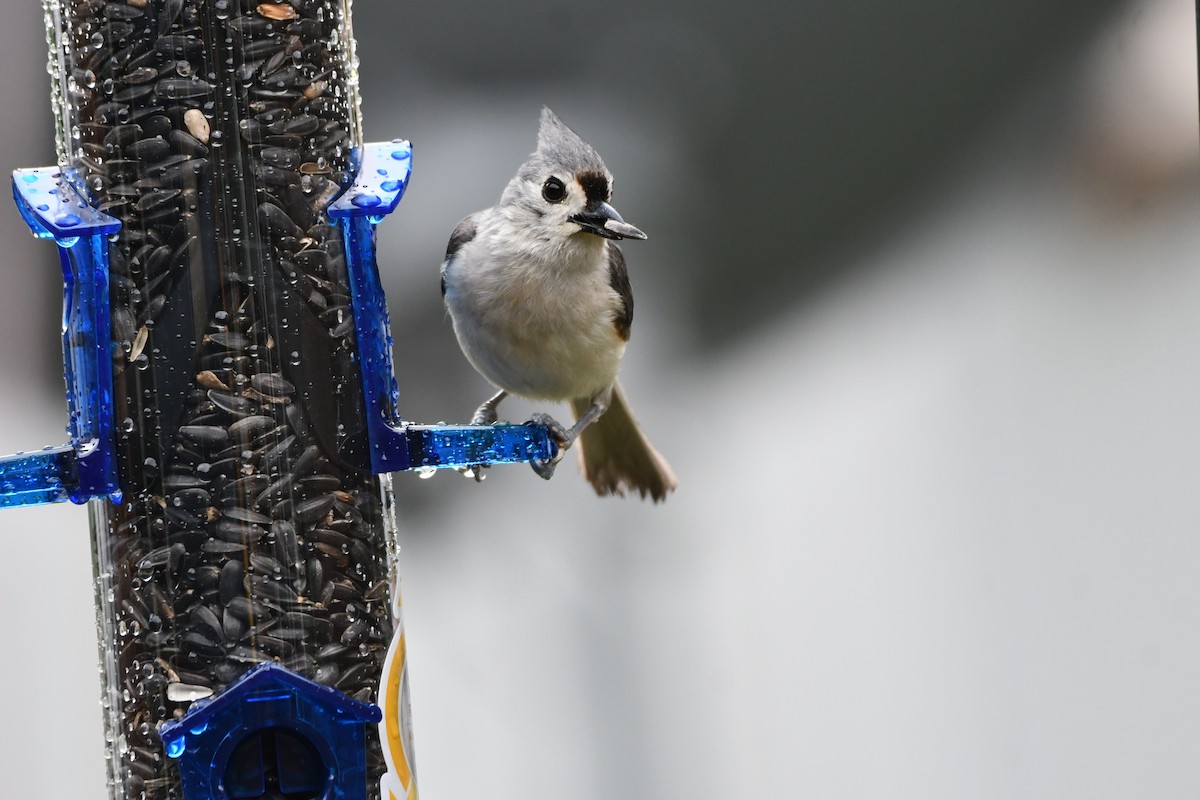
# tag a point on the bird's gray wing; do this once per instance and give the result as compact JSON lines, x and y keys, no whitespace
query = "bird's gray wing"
{"x":618,"y":279}
{"x":463,"y":233}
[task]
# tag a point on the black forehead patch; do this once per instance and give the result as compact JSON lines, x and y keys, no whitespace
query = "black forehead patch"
{"x":595,"y":186}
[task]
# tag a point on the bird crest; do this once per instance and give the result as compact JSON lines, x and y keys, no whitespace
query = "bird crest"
{"x":559,"y":147}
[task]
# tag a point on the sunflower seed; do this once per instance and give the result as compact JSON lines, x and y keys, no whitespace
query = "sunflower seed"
{"x":246,"y":515}
{"x":151,"y":150}
{"x":250,"y":428}
{"x":237,"y":406}
{"x":204,"y":616}
{"x":185,"y":693}
{"x":197,"y":124}
{"x":276,"y":11}
{"x":210,"y":437}
{"x":311,"y":510}
{"x":237,"y":532}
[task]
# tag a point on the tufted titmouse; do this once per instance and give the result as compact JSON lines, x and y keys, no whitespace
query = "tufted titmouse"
{"x":541,"y":304}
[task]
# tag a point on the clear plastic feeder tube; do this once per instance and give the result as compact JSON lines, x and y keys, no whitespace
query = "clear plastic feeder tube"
{"x":250,"y":529}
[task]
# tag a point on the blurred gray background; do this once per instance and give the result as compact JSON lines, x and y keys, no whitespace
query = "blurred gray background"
{"x":917,"y":326}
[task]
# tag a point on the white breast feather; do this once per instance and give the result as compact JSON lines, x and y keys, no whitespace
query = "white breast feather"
{"x":536,"y":328}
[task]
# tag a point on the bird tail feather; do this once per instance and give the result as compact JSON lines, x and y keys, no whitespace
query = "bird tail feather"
{"x":616,"y":456}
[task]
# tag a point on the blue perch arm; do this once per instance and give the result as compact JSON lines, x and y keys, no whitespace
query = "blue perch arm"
{"x":54,"y":207}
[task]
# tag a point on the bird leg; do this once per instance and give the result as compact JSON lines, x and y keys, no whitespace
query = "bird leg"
{"x":486,"y":413}
{"x":563,"y":437}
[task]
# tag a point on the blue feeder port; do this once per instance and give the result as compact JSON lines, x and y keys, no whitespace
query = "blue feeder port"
{"x":272,"y":732}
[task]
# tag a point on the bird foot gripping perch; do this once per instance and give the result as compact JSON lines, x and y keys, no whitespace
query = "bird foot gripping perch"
{"x":562,"y":438}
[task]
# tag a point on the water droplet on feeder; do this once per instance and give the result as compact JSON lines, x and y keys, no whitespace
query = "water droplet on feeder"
{"x":365,"y":200}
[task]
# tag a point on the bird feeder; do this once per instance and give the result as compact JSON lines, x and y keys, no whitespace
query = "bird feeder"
{"x":233,"y":410}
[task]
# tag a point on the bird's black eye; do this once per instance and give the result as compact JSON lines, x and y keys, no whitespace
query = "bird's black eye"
{"x":553,"y":190}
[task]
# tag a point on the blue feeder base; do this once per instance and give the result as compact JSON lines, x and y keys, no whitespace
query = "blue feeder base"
{"x":272,"y":732}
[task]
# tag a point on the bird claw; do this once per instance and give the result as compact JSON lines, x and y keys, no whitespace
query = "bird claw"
{"x":545,"y":469}
{"x":476,"y":471}
{"x":562,"y":437}
{"x":484,"y":415}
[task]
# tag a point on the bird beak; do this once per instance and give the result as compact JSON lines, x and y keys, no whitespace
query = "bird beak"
{"x":603,"y":220}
